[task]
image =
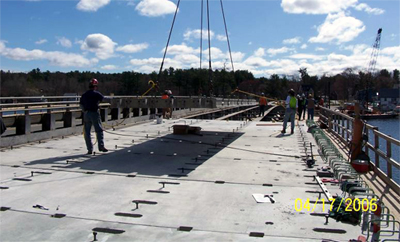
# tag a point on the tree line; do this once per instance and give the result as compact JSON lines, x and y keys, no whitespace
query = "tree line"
{"x":194,"y":82}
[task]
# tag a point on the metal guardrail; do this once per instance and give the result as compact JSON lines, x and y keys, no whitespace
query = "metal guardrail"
{"x":341,"y":126}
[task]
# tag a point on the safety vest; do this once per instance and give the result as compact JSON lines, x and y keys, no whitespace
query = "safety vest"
{"x":263,"y":101}
{"x":165,"y":96}
{"x":292,"y":103}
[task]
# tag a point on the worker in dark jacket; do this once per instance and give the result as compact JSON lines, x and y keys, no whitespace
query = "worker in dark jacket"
{"x":262,"y":104}
{"x":90,"y":105}
{"x":3,"y":127}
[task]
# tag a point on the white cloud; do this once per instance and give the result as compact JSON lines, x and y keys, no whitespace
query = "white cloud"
{"x":41,"y":41}
{"x":221,"y":37}
{"x":145,"y":69}
{"x":99,"y":44}
{"x":338,"y":28}
{"x":131,"y":2}
{"x":356,"y":49}
{"x":319,"y":49}
{"x":153,"y":64}
{"x":149,"y":61}
{"x":392,"y":51}
{"x":368,"y":9}
{"x":295,"y":40}
{"x":260,"y":52}
{"x":303,"y":46}
{"x":215,"y":54}
{"x":78,"y":42}
{"x":307,"y":56}
{"x":155,"y":8}
{"x":250,"y":43}
{"x":316,"y":6}
{"x":64,"y":42}
{"x":55,"y":58}
{"x":91,"y":5}
{"x":237,"y":56}
{"x":273,"y":52}
{"x":187,"y":59}
{"x":180,"y":49}
{"x":196,"y":34}
{"x":133,"y":48}
{"x":219,"y":55}
{"x":2,"y":46}
{"x":255,"y":61}
{"x":156,"y":62}
{"x":109,"y":67}
{"x":393,"y":36}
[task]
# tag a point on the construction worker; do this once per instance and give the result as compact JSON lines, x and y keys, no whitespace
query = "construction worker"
{"x":170,"y":96}
{"x":310,"y":107}
{"x":304,"y":105}
{"x":263,"y":103}
{"x":3,"y":127}
{"x":164,"y":97}
{"x":301,"y":107}
{"x":90,"y":105}
{"x":290,"y":113}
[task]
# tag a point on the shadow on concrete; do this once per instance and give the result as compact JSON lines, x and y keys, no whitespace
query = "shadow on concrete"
{"x":280,"y":135}
{"x":171,"y":155}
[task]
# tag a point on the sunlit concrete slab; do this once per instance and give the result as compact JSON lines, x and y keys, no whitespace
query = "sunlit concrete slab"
{"x":192,"y":187}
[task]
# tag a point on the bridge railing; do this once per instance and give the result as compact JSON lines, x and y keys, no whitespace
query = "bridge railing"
{"x":33,"y":118}
{"x":379,"y":146}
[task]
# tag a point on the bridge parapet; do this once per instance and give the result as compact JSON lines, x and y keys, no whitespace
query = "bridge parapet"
{"x":29,"y":118}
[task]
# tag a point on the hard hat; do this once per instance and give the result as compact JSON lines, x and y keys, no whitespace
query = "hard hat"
{"x":262,"y":93}
{"x":94,"y":82}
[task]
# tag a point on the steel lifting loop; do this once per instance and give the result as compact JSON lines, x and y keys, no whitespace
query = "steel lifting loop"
{"x":153,"y":85}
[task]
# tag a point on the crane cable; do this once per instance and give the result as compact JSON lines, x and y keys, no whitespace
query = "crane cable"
{"x":227,"y":37}
{"x":169,"y":38}
{"x":209,"y":53}
{"x":201,"y":32}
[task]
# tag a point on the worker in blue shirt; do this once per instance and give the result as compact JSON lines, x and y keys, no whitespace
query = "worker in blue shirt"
{"x":90,"y":105}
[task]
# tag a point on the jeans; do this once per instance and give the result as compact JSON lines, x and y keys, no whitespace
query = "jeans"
{"x":262,"y":110}
{"x":310,"y":113}
{"x":290,"y":113}
{"x":93,"y":118}
{"x":300,"y":109}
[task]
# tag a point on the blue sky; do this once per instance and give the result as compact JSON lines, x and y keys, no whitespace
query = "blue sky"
{"x":266,"y":36}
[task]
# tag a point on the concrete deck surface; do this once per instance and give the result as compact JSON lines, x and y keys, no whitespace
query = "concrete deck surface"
{"x":217,"y":173}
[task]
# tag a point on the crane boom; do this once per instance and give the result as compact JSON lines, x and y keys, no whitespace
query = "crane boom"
{"x":252,"y":94}
{"x":375,"y":52}
{"x":372,"y":62}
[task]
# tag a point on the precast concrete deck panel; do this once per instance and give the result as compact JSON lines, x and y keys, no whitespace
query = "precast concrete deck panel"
{"x":216,"y":174}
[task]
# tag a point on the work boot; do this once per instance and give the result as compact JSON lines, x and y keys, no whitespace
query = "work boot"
{"x":292,"y":132}
{"x":103,"y":149}
{"x":89,"y":152}
{"x":283,"y":131}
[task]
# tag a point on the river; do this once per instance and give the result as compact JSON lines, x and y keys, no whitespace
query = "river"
{"x":389,"y":127}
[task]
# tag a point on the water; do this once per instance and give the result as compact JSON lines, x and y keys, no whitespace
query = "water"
{"x":390,"y":127}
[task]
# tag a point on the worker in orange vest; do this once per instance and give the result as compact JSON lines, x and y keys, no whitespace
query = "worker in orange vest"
{"x":263,"y":103}
{"x":165,"y":110}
